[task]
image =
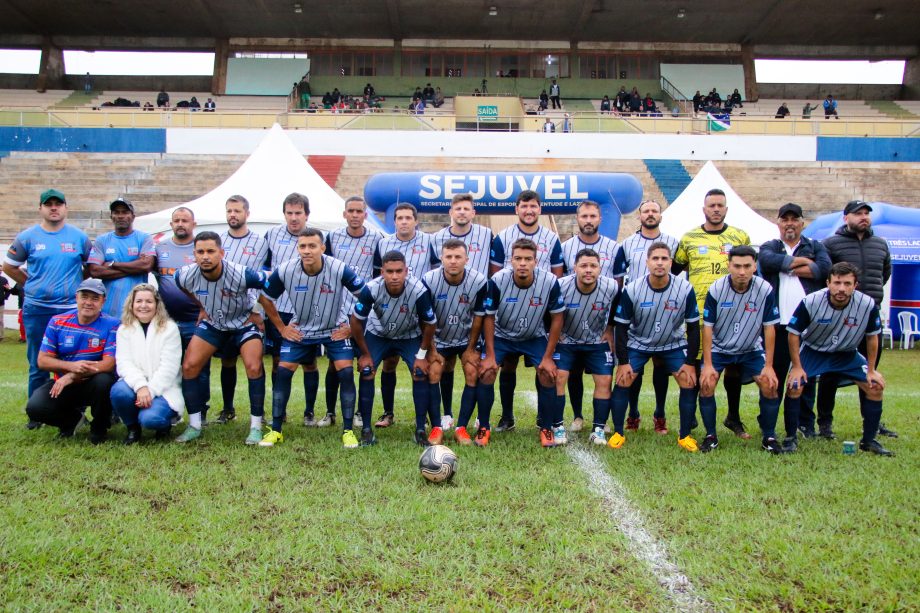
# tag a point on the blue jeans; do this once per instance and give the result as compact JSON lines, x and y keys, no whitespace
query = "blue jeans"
{"x":157,"y":417}
{"x":35,"y":324}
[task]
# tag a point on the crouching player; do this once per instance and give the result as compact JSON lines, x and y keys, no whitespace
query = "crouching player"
{"x":458,"y":296}
{"x":657,"y":315}
{"x":519,"y":297}
{"x":828,"y":326}
{"x":400,"y":321}
{"x":587,"y":334}
{"x":737,"y":308}
{"x":315,"y":284}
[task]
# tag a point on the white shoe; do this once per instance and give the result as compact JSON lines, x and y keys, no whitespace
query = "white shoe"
{"x":357,"y":422}
{"x":559,"y":435}
{"x":577,"y":424}
{"x":327,"y":420}
{"x":309,"y":421}
{"x":447,"y":422}
{"x":597,"y":437}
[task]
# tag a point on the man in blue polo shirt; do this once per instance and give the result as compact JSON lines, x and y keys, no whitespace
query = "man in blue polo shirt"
{"x":79,"y":348}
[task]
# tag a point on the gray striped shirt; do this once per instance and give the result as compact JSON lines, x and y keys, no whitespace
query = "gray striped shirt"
{"x":395,"y":317}
{"x":418,"y":252}
{"x":657,"y":318}
{"x":737,"y":320}
{"x":519,"y":311}
{"x":282,"y":246}
{"x":456,"y":305}
{"x":824,"y":328}
{"x":478,"y":243}
{"x":586,"y":315}
{"x":226,"y":300}
{"x":605,"y":247}
{"x":356,"y":252}
{"x":549,"y":249}
{"x":631,"y":259}
{"x":250,"y":251}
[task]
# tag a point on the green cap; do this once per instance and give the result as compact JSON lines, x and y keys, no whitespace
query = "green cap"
{"x":48,"y":194}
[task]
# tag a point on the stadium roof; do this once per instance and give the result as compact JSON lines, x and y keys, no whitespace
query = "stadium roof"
{"x":761,"y":22}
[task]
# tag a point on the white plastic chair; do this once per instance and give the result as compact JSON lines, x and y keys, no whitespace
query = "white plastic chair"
{"x":909,"y":329}
{"x":887,"y":332}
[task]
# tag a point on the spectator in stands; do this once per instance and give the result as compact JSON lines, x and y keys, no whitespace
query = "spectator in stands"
{"x":649,"y":104}
{"x":605,"y":105}
{"x":428,"y":94}
{"x":807,"y":109}
{"x":567,"y":125}
{"x":336,"y":95}
{"x":782,"y":111}
{"x":368,"y":91}
{"x":544,"y":100}
{"x":312,"y":108}
{"x":193,"y":104}
{"x":327,"y":100}
{"x":549,"y":126}
{"x":830,"y":107}
{"x":438,"y":101}
{"x":476,"y":92}
{"x":714,"y":98}
{"x":163,"y":99}
{"x":554,"y":94}
{"x":303,"y":91}
{"x":697,"y":101}
{"x":622,"y":100}
{"x":209,"y":106}
{"x":420,"y":107}
{"x":417,"y":94}
{"x":87,"y":84}
{"x":735,"y":99}
{"x":148,"y":106}
{"x":635,"y":101}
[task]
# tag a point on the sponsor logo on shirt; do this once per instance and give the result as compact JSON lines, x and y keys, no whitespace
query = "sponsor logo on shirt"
{"x":69,"y":340}
{"x":441,"y":297}
{"x":164,"y":255}
{"x":300,"y":288}
{"x":201,"y":292}
{"x":573,"y":305}
{"x":702,"y":249}
{"x":42,"y":247}
{"x":645,"y":305}
{"x":826,"y":320}
{"x":110,"y":250}
{"x":728,"y":305}
{"x":511,"y":300}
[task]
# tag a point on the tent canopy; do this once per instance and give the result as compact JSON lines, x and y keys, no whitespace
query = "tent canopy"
{"x":686,"y":212}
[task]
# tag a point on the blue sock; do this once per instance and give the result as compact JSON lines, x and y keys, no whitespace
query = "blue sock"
{"x":576,"y":392}
{"x":467,"y":402}
{"x":447,"y":391}
{"x":281,"y":393}
{"x":546,"y":405}
{"x":191,"y":390}
{"x":332,"y":389}
{"x":420,"y":400}
{"x":660,"y":380}
{"x":601,"y":411}
{"x":434,"y":404}
{"x":559,"y":411}
{"x":257,"y":396}
{"x":485,"y":398}
{"x":686,"y":404}
{"x":708,"y":411}
{"x":769,"y":412}
{"x":618,"y":407}
{"x":345,"y":380}
{"x":634,"y":391}
{"x":387,"y":391}
{"x":228,"y":385}
{"x":872,"y":415}
{"x":310,"y":387}
{"x":792,"y":407}
{"x":366,"y":400}
{"x":507,"y":382}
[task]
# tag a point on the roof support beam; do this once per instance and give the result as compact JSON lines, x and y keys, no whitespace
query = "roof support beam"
{"x":393,"y":17}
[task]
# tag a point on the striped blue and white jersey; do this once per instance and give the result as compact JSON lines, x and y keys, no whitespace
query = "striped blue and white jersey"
{"x":605,"y":247}
{"x":549,"y":249}
{"x":282,"y":246}
{"x":657,"y":318}
{"x":418,"y":251}
{"x":519,"y":311}
{"x":631,"y":260}
{"x":737,"y":320}
{"x":395,"y":317}
{"x":825,"y":328}
{"x":227,"y":300}
{"x":250,"y":251}
{"x":318,"y":298}
{"x":170,"y":258}
{"x":356,"y":252}
{"x":478,"y":243}
{"x":586,"y":315}
{"x":456,"y":305}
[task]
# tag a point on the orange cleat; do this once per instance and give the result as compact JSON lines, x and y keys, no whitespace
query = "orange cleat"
{"x":462,"y":436}
{"x":436,"y":436}
{"x":482,"y":437}
{"x":546,"y":437}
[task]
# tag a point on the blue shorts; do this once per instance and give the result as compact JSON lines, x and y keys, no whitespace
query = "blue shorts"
{"x":532,"y":349}
{"x":381,"y":348}
{"x":273,"y":338}
{"x":672,"y":359}
{"x":846,"y":364}
{"x":228,"y":342}
{"x":597,"y":358}
{"x":749,"y":364}
{"x":307,"y":350}
{"x":449,"y":352}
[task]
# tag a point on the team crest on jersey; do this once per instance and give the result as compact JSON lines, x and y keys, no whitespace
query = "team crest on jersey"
{"x":542,"y":248}
{"x":536,"y":301}
{"x":850,"y":322}
{"x":418,"y":249}
{"x":367,"y":251}
{"x":325,"y":288}
{"x":133,"y":250}
{"x":598,"y":306}
{"x":473,"y":247}
{"x":69,"y":341}
{"x":227,"y":293}
{"x":726,"y":248}
{"x":605,"y":257}
{"x":671,"y":305}
{"x":164,"y":255}
{"x":66,"y":248}
{"x":751,"y":307}
{"x":249,"y":251}
{"x":464,"y":299}
{"x":404,"y":308}
{"x":94,"y":343}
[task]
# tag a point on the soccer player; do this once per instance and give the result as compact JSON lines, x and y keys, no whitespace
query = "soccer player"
{"x":587,"y":333}
{"x":458,"y":295}
{"x":518,"y":300}
{"x":400,"y":321}
{"x":244,"y":247}
{"x":53,"y":253}
{"x":478,"y":241}
{"x":657,"y":315}
{"x":355,"y":245}
{"x":703,"y":252}
{"x":629,"y":265}
{"x":549,"y":258}
{"x":316,"y":284}
{"x":221,"y":289}
{"x":738,"y":309}
{"x":420,"y":258}
{"x":824,"y":335}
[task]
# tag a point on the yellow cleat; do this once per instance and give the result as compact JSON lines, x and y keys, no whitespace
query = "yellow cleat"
{"x":688,"y":443}
{"x":616,"y":441}
{"x":271,"y":439}
{"x":349,"y":440}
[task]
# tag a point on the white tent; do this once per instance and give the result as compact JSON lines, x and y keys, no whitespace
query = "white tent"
{"x":275,"y":169}
{"x":686,"y":212}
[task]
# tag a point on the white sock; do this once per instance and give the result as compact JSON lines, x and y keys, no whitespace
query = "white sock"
{"x":255,"y":422}
{"x":194,"y":420}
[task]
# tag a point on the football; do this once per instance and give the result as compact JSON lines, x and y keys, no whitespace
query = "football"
{"x":438,"y":464}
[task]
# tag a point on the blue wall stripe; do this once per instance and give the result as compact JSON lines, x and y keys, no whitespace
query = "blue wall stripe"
{"x":849,"y":149}
{"x":108,"y":140}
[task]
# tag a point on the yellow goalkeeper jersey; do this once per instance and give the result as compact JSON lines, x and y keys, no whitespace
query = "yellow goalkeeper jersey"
{"x":704,"y":255}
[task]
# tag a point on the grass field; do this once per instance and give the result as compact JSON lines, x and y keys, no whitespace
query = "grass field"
{"x":219,"y":526}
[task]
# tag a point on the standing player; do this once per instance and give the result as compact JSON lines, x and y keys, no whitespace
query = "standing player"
{"x":824,"y":336}
{"x":220,"y":287}
{"x":244,"y":247}
{"x":355,"y":244}
{"x":458,"y":296}
{"x":587,"y":334}
{"x":549,"y":258}
{"x":657,"y":315}
{"x":629,"y":265}
{"x":400,"y":321}
{"x":703,"y":252}
{"x":316,"y":284}
{"x":739,"y":308}
{"x":517,"y":302}
{"x":478,"y":241}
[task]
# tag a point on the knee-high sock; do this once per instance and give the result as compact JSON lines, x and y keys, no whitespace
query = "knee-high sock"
{"x":310,"y":387}
{"x":420,"y":400}
{"x":769,"y":412}
{"x":485,"y":398}
{"x":228,"y":385}
{"x":434,"y":404}
{"x":366,"y":400}
{"x":601,"y":411}
{"x":507,"y":382}
{"x":708,"y":411}
{"x":660,"y":379}
{"x":387,"y":391}
{"x":546,"y":404}
{"x":686,"y":404}
{"x":872,"y":416}
{"x":332,"y":390}
{"x":576,"y":391}
{"x":467,"y":402}
{"x":732,"y":386}
{"x":257,"y":396}
{"x":634,"y":391}
{"x":447,"y":391}
{"x":194,"y":397}
{"x":345,"y":381}
{"x":618,"y":403}
{"x":827,"y":395}
{"x":559,"y":410}
{"x":281,"y":393}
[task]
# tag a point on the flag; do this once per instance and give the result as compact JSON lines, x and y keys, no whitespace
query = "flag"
{"x":719,"y":123}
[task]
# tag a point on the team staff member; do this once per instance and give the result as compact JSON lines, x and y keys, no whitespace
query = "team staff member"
{"x":795,"y":266}
{"x":79,"y":348}
{"x":824,"y":336}
{"x":739,"y":308}
{"x":54,"y":253}
{"x":703,"y":253}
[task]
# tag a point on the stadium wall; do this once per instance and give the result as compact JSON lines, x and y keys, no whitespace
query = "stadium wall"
{"x":819,"y":91}
{"x":83,"y":140}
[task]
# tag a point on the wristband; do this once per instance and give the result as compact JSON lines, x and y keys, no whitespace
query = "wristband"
{"x":422,"y":354}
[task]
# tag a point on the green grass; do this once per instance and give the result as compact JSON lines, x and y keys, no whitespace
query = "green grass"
{"x":307,"y":525}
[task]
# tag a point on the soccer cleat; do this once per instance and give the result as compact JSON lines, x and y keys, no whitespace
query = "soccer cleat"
{"x":772,"y":445}
{"x":33,"y":425}
{"x":462,"y":436}
{"x":482,"y":437}
{"x":597,"y":437}
{"x":688,"y":443}
{"x":886,"y":432}
{"x":505,"y":424}
{"x":134,"y":436}
{"x":790,"y":444}
{"x":447,"y":422}
{"x":632,"y":423}
{"x":616,"y":441}
{"x":357,"y":422}
{"x":162,"y":435}
{"x":807,"y":432}
{"x":559,"y":435}
{"x":546,"y":437}
{"x":309,"y":420}
{"x":709,"y":443}
{"x":255,"y":436}
{"x":421,"y":438}
{"x":661,"y":425}
{"x":875,"y":447}
{"x":737,"y":427}
{"x":349,"y":440}
{"x":189,"y":435}
{"x":368,"y":438}
{"x":226,"y":416}
{"x":826,"y":432}
{"x":327,"y":420}
{"x":436,"y":436}
{"x":386,"y":420}
{"x":577,"y":424}
{"x":97,"y":438}
{"x":271,"y":439}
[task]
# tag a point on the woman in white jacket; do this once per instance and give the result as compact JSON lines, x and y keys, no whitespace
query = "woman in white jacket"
{"x":148,"y":356}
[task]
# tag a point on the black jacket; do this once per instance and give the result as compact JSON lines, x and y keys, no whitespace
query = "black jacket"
{"x":870,"y":255}
{"x":773,"y":260}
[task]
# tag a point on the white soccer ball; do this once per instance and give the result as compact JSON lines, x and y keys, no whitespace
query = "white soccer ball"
{"x":438,"y":463}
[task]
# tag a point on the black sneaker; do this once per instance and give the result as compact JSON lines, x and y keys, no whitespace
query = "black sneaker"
{"x":886,"y":432}
{"x":875,"y":447}
{"x":97,"y":438}
{"x":226,"y":416}
{"x":709,"y":443}
{"x":34,"y":425}
{"x":162,"y":435}
{"x":808,"y":432}
{"x":737,"y":427}
{"x":827,"y":433}
{"x":65,"y":433}
{"x":368,"y":438}
{"x":772,"y":445}
{"x":421,"y":438}
{"x":790,"y":444}
{"x":134,"y":436}
{"x":505,"y":424}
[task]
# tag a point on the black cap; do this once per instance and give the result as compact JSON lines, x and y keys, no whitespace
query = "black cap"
{"x":854,"y":205}
{"x":121,"y":202}
{"x":790,"y":207}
